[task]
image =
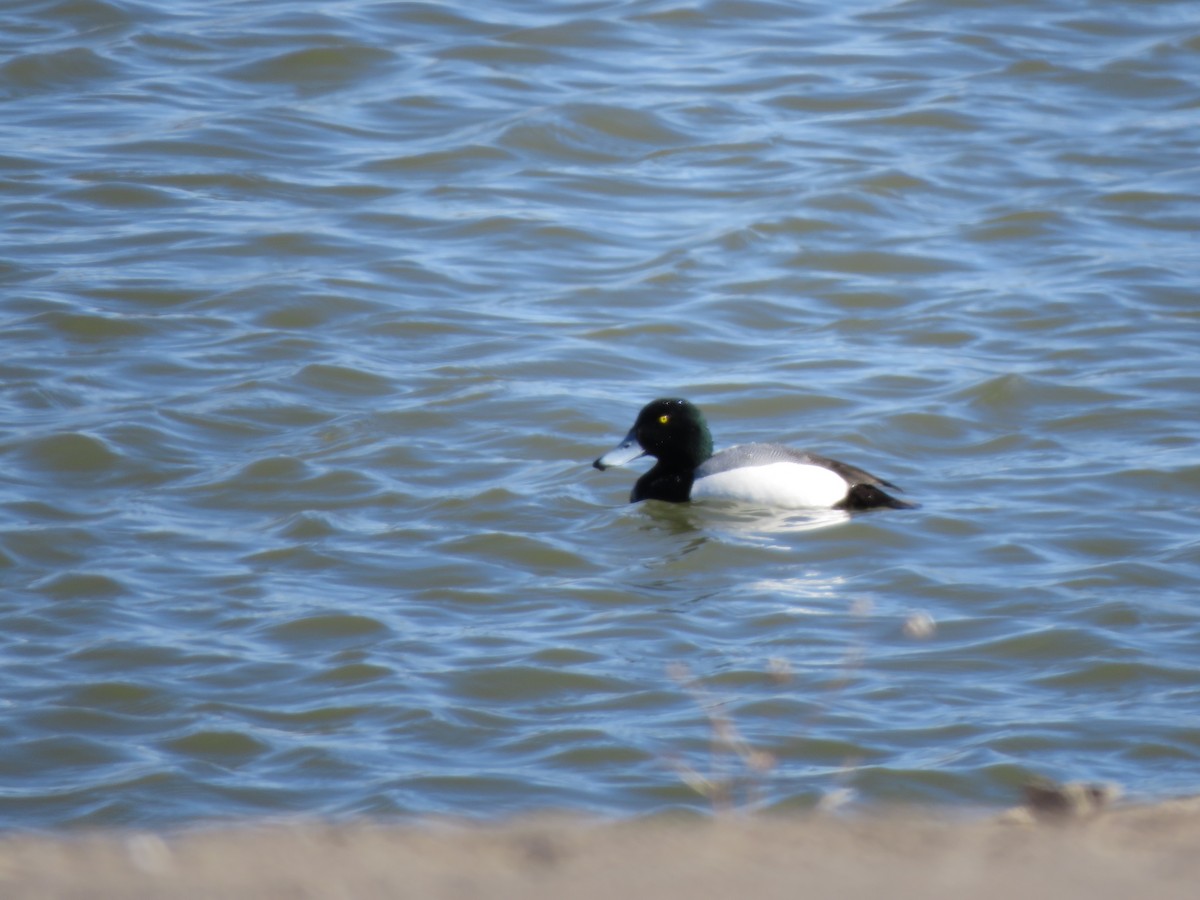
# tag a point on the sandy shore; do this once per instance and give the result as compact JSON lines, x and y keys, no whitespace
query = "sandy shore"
{"x":1149,"y":853}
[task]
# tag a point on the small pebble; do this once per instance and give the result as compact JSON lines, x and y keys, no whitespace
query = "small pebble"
{"x":149,"y":853}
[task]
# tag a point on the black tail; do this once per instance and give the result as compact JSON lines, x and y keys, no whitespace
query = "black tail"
{"x":868,"y":496}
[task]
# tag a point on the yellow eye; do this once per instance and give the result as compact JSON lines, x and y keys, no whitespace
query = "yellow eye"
{"x":663,"y":420}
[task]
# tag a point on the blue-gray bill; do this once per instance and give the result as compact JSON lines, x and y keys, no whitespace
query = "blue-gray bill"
{"x":625,"y":452}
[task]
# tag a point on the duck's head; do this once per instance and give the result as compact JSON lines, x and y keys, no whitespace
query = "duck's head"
{"x":671,"y":430}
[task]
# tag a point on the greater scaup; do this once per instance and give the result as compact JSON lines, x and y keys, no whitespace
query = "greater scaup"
{"x":674,"y":432}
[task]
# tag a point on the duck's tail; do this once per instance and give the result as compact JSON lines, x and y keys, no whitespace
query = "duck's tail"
{"x":869,"y":496}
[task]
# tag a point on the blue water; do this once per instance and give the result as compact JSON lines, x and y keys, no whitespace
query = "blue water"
{"x":314,"y":316}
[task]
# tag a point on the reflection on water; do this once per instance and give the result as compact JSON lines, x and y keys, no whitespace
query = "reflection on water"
{"x":734,"y":521}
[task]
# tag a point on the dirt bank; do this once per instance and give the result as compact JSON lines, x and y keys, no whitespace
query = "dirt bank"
{"x":1147,"y":852}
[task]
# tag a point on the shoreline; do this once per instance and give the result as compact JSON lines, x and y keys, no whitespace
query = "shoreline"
{"x":1149,"y":851}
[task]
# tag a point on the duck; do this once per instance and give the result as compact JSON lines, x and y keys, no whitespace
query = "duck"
{"x":674,"y":432}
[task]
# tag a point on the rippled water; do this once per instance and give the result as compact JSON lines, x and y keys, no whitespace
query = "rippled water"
{"x":315,"y":314}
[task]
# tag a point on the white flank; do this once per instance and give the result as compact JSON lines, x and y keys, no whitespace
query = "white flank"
{"x":786,"y":484}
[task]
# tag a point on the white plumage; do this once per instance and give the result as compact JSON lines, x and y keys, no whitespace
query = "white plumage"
{"x":783,"y":484}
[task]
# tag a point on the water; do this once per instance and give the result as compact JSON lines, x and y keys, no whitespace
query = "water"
{"x":315,"y":314}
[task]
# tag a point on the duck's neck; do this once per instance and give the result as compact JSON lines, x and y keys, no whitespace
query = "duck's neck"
{"x":670,"y":483}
